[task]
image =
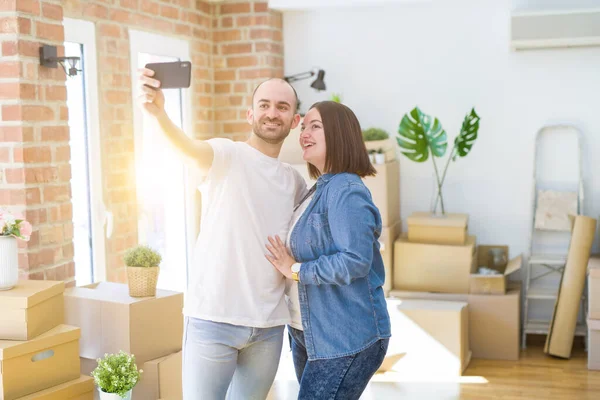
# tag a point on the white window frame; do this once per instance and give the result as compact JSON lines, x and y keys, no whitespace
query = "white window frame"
{"x":84,"y":32}
{"x":167,"y":46}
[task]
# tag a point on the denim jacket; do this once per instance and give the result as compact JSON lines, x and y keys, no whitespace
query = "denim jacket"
{"x":342,"y":302}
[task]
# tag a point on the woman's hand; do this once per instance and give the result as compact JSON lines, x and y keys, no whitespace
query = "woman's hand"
{"x":280,"y":257}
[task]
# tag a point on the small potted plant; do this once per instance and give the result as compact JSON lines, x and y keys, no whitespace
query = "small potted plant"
{"x":376,"y":138}
{"x":379,"y":157}
{"x":11,"y":228}
{"x":142,"y":270}
{"x":372,"y":156}
{"x":116,"y":375}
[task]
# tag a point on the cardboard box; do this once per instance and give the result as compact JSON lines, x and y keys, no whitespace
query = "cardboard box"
{"x":492,"y":284}
{"x":291,"y":152}
{"x":78,"y":389}
{"x":386,"y":240}
{"x":594,"y":344}
{"x":559,"y":341}
{"x":111,"y":320}
{"x":422,"y":267}
{"x":430,"y":338}
{"x":385,"y":191}
{"x":30,"y":309}
{"x":494,"y":321}
{"x":161,"y":379}
{"x":594,"y":288}
{"x":30,"y":366}
{"x":423,"y":227}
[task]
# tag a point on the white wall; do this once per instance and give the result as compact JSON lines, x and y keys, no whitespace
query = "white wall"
{"x":445,"y":57}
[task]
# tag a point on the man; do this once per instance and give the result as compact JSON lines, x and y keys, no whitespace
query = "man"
{"x":235,"y":310}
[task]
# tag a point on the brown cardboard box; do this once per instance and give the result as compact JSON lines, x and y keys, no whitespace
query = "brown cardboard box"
{"x":78,"y":389}
{"x":494,"y":321}
{"x":492,"y":284}
{"x":429,"y":338}
{"x":594,"y":288}
{"x":111,"y":320}
{"x":30,"y":366}
{"x":30,"y":309}
{"x":386,"y":240}
{"x":447,"y":229}
{"x":559,"y":341}
{"x":161,"y":379}
{"x":594,"y":344}
{"x":424,"y":267}
{"x":385,"y":191}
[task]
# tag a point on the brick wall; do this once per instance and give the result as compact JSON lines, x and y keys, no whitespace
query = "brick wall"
{"x":234,"y":45}
{"x":34,"y":148}
{"x":248,"y":48}
{"x":176,"y":18}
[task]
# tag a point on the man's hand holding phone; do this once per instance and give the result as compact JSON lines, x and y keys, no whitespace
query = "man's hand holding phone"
{"x":151,"y":97}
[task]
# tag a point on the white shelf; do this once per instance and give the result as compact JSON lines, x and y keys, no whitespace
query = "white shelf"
{"x":542,"y":293}
{"x":549,"y":259}
{"x":541,"y":328}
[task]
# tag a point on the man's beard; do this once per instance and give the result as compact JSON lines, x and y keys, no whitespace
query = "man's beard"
{"x":271,"y":136}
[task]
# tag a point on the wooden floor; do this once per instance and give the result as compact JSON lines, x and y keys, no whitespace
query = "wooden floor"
{"x":534,"y":376}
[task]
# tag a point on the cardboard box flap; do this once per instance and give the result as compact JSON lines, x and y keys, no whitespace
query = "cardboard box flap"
{"x":28,"y":293}
{"x":57,"y":336}
{"x":448,"y":220}
{"x":112,"y":292}
{"x":69,"y":390}
{"x":511,"y":266}
{"x":514,"y":265}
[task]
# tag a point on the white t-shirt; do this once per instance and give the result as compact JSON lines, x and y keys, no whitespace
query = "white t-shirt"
{"x":291,"y":286}
{"x":246,"y":197}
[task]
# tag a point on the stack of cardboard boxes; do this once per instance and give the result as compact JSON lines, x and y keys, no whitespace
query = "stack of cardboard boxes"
{"x":437,"y":260}
{"x":594,"y":313}
{"x":39,"y":354}
{"x":150,"y":328}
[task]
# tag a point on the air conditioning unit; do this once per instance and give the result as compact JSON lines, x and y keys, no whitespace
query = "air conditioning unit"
{"x":554,"y":29}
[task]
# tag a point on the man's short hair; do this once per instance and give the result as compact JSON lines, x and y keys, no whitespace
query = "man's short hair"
{"x":278,"y":79}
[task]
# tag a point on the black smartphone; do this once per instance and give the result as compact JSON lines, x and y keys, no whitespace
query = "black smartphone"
{"x":172,"y":75}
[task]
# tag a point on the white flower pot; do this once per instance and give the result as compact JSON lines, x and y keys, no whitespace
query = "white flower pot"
{"x":372,"y":158}
{"x":113,"y":396}
{"x":379,"y":158}
{"x":9,"y":262}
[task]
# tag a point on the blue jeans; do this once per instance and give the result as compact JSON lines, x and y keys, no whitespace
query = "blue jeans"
{"x":228,"y":361}
{"x":335,"y":378}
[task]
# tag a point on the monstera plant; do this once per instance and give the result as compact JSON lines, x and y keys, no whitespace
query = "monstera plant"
{"x":420,"y":134}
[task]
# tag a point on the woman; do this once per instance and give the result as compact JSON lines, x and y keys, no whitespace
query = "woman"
{"x":341,"y":334}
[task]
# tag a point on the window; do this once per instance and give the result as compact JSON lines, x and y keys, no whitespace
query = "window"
{"x":89,"y":213}
{"x":164,"y":193}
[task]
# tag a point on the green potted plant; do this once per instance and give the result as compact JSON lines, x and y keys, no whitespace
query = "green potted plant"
{"x":420,"y":134}
{"x":11,"y":228}
{"x":372,"y":155}
{"x":116,"y":375}
{"x":377,"y":138}
{"x":336,"y":97}
{"x":379,"y":156}
{"x":142,"y":270}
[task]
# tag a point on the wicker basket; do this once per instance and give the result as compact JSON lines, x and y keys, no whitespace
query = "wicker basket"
{"x":142,"y":281}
